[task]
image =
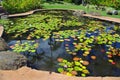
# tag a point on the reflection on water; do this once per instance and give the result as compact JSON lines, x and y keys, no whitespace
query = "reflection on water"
{"x":48,"y":54}
{"x":49,"y":50}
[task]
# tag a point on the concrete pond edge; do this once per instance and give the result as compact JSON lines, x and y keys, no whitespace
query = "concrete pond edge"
{"x":86,"y":15}
{"x":81,"y":13}
{"x":1,"y":30}
{"x":26,"y":73}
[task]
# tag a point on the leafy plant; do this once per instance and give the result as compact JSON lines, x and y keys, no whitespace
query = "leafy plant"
{"x":29,"y":46}
{"x":82,"y":38}
{"x":86,"y":39}
{"x":109,"y":3}
{"x":17,"y":6}
{"x":72,"y":68}
{"x":37,"y":25}
{"x":69,"y":1}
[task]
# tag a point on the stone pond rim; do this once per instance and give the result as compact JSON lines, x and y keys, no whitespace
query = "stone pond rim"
{"x":88,"y":77}
{"x":101,"y":18}
{"x":10,"y":60}
{"x":26,"y":73}
{"x":1,"y":30}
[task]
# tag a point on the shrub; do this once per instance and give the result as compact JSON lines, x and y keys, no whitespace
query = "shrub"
{"x":109,"y":3}
{"x":69,"y":1}
{"x":17,"y":6}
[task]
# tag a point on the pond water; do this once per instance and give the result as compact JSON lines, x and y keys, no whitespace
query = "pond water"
{"x":47,"y":58}
{"x":67,"y":44}
{"x":50,"y":50}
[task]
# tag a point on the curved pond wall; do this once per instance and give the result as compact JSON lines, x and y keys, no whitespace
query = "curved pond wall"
{"x":79,"y":12}
{"x":46,"y":47}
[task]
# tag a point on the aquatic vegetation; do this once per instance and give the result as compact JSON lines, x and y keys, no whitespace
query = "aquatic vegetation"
{"x":37,"y":25}
{"x":83,"y":41}
{"x":72,"y":68}
{"x":29,"y":46}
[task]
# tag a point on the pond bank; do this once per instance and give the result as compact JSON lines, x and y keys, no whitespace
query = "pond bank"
{"x":1,"y":30}
{"x":26,"y":73}
{"x":61,"y":50}
{"x":103,"y":18}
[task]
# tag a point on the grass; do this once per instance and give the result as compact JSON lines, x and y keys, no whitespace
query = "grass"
{"x":76,"y":7}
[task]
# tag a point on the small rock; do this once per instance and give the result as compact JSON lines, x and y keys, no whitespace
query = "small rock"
{"x":109,"y":12}
{"x":112,"y":12}
{"x":11,"y":61}
{"x":115,"y":12}
{"x":2,"y":10}
{"x":3,"y":45}
{"x":79,"y":13}
{"x":95,"y":13}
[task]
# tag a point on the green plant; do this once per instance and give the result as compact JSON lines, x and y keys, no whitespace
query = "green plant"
{"x":37,"y":25}
{"x":109,"y":3}
{"x":85,"y":38}
{"x":17,"y":6}
{"x":85,"y":41}
{"x":69,"y":1}
{"x":111,"y":53}
{"x":88,"y":8}
{"x":65,"y":34}
{"x":72,"y":68}
{"x":29,"y":46}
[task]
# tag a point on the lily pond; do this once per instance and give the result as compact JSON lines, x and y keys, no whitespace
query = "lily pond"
{"x":62,"y":42}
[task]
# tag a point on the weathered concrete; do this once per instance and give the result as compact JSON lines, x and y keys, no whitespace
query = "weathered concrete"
{"x":92,"y":78}
{"x":1,"y":30}
{"x":43,"y":75}
{"x":26,"y":73}
{"x":103,"y":18}
{"x":79,"y":13}
{"x":111,"y":78}
{"x":33,"y":11}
